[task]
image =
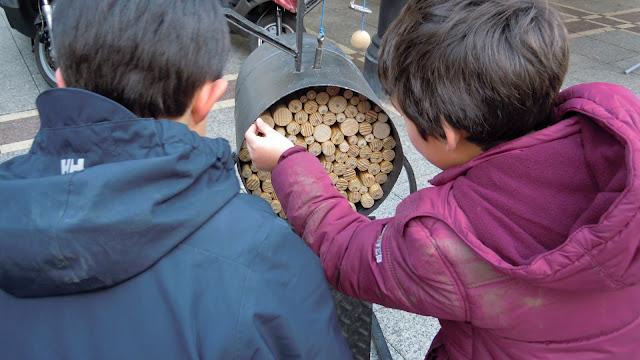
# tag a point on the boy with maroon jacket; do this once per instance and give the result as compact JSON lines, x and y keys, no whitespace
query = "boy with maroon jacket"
{"x":527,"y":244}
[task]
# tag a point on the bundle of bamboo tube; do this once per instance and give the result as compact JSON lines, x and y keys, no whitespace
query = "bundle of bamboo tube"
{"x":350,"y":136}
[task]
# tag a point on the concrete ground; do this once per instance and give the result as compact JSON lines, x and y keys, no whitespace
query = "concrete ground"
{"x":605,"y":40}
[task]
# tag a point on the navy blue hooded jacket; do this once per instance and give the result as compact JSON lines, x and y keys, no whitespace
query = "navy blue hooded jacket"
{"x":127,"y":238}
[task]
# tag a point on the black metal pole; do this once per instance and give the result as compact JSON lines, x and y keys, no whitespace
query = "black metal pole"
{"x":389,"y":10}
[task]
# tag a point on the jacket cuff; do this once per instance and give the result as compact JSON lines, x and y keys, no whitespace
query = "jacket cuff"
{"x":294,"y":150}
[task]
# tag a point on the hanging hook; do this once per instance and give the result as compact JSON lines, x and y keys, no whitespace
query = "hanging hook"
{"x":359,"y":8}
{"x":317,"y":64}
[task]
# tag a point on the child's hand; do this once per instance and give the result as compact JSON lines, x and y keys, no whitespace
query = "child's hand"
{"x":265,"y":145}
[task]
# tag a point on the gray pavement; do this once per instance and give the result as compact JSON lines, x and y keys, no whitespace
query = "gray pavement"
{"x":605,"y":40}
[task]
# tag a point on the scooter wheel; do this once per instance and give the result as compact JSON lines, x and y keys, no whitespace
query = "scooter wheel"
{"x":44,"y":61}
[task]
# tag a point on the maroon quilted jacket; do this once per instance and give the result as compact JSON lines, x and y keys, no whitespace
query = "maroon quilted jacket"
{"x":528,"y":251}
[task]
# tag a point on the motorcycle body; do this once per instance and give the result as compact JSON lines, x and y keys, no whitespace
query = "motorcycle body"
{"x":32,"y":18}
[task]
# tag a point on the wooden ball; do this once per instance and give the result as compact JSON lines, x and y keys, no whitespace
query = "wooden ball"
{"x":311,"y":94}
{"x":371,"y":116}
{"x":339,"y":169}
{"x":354,"y":184}
{"x":264,"y":175}
{"x":360,"y":117}
{"x":348,"y":94}
{"x":386,"y":167}
{"x":349,"y":127}
{"x":243,"y":155}
{"x":375,"y":144}
{"x":329,"y":119}
{"x":376,"y":191}
{"x":282,"y":131}
{"x":330,"y":158}
{"x":303,"y":99}
{"x":376,"y":157}
{"x":389,"y":155}
{"x":361,"y":142}
{"x":328,"y":166}
{"x":267,"y":186}
{"x":354,"y":100}
{"x":377,"y":108}
{"x":349,"y":174}
{"x":374,"y":169}
{"x":362,"y":164}
{"x":276,"y":206}
{"x":354,"y":151}
{"x":366,"y":201}
{"x":364,"y":106}
{"x":365,"y":153}
{"x":340,"y":118}
{"x":351,"y":163}
{"x":293,"y":128}
{"x":360,"y":40}
{"x":246,"y":172}
{"x":333,"y":177}
{"x":367,"y":179}
{"x":323,"y":109}
{"x":337,"y":137}
{"x":369,"y":138}
{"x":381,"y":178}
{"x":341,"y":157}
{"x":342,"y":184}
{"x":268,"y":119}
{"x":322,"y":98}
{"x":311,"y":107}
{"x":254,"y":168}
{"x":353,"y":140}
{"x":315,"y":149}
{"x":328,"y":148}
{"x":309,"y":139}
{"x":295,"y":106}
{"x":253,"y":183}
{"x":364,"y":190}
{"x":382,"y":117}
{"x":381,"y":130}
{"x":388,"y":143}
{"x":343,"y":147}
{"x":343,"y":193}
{"x":306,"y":129}
{"x":333,"y":90}
{"x":365,"y":129}
{"x":267,"y":197}
{"x":354,"y":197}
{"x":301,"y":117}
{"x":337,"y":104}
{"x":282,"y":116}
{"x":351,"y":111}
{"x":316,"y":119}
{"x":322,"y":133}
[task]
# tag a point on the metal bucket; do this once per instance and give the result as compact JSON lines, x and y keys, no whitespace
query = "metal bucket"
{"x":268,"y":77}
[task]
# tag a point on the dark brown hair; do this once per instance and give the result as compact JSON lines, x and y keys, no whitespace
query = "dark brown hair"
{"x":492,"y":68}
{"x":148,"y":55}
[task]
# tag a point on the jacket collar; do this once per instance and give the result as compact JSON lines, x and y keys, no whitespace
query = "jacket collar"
{"x":66,"y":107}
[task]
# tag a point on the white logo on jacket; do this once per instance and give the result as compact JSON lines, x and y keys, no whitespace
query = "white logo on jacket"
{"x":68,"y":166}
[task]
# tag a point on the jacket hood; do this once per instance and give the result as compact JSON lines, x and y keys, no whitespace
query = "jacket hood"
{"x":102,"y":195}
{"x":559,"y":207}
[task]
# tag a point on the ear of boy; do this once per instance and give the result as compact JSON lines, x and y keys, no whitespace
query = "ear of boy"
{"x":206,"y":96}
{"x":195,"y":117}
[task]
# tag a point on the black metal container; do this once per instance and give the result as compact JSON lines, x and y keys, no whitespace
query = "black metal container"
{"x":268,"y":76}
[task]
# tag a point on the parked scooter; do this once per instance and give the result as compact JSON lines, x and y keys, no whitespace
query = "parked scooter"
{"x":32,"y":18}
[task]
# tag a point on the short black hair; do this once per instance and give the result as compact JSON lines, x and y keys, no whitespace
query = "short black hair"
{"x":490,"y":67}
{"x":148,"y":55}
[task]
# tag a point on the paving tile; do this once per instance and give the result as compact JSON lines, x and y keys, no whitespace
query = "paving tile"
{"x":635,"y":29}
{"x":23,"y":44}
{"x":582,"y":25}
{"x":572,"y":11}
{"x":17,"y":89}
{"x":410,"y":334}
{"x":632,"y":17}
{"x":607,"y":21}
{"x":620,"y":38}
{"x":599,"y":50}
{"x":599,"y":6}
